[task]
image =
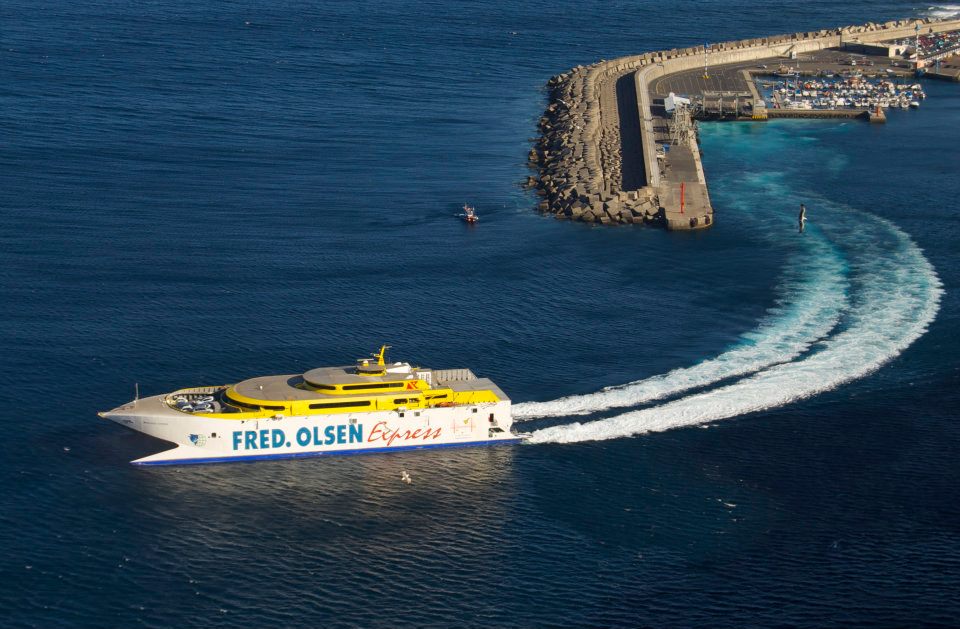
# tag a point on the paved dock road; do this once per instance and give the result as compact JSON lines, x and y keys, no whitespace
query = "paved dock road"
{"x":691,"y":82}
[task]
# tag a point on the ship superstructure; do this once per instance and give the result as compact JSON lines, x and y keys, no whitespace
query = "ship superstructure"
{"x":370,"y":406}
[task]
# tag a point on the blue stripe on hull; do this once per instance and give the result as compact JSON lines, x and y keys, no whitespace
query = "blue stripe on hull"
{"x":303,"y":455}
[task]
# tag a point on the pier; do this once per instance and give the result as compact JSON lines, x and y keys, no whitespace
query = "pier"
{"x":615,"y":149}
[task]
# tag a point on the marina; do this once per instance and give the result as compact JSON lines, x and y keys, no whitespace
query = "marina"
{"x":618,"y":141}
{"x":832,"y":93}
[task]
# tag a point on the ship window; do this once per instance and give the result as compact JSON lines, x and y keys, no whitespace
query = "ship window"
{"x":239,"y":404}
{"x":375,"y":385}
{"x":353,"y":404}
{"x":400,"y":414}
{"x":252,"y":407}
{"x":323,"y":387}
{"x":438,"y":396}
{"x":401,"y":400}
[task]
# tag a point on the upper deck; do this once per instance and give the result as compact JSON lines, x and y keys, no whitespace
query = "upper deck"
{"x":362,"y":388}
{"x":309,"y":386}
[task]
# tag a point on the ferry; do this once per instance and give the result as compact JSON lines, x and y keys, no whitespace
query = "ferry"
{"x":372,"y":406}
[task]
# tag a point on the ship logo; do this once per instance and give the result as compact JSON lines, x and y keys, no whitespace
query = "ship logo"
{"x":198,"y":440}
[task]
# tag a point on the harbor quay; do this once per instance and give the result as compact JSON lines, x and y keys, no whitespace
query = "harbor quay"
{"x":618,"y":140}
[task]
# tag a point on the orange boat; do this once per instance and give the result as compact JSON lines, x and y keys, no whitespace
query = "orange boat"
{"x":469,"y":214}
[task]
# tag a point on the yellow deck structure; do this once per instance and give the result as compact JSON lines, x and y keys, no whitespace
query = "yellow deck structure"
{"x":370,"y":385}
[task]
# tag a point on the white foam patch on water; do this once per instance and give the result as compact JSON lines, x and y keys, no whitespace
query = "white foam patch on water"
{"x":897,"y":296}
{"x":943,"y":11}
{"x":814,"y":295}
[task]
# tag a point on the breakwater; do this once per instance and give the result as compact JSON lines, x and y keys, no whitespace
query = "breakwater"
{"x":607,"y":152}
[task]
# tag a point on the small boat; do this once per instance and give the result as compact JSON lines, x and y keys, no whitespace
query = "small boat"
{"x":914,"y":104}
{"x":469,"y":214}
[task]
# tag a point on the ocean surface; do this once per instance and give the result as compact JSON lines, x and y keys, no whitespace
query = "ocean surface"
{"x":735,"y":428}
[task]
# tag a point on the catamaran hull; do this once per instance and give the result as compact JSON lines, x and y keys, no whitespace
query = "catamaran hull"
{"x":182,"y":455}
{"x":202,"y":439}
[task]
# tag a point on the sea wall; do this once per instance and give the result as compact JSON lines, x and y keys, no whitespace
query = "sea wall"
{"x":579,"y":156}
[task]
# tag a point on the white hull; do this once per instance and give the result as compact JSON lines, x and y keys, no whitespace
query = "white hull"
{"x":203,"y":439}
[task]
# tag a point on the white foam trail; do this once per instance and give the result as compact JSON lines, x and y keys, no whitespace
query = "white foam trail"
{"x":814,"y":289}
{"x":943,"y":11}
{"x":898,"y":298}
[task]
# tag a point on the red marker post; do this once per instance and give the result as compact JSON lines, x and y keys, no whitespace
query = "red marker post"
{"x":682,"y":187}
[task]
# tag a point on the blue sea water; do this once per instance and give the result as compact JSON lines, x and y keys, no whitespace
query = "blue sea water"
{"x":198,"y":194}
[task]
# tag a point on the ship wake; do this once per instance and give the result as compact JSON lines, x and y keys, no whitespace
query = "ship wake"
{"x":861,"y":297}
{"x":813,"y":294}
